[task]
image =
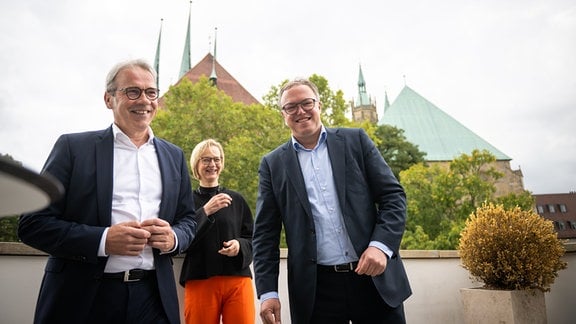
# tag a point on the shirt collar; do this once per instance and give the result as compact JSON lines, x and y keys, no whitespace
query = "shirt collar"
{"x":321,"y":140}
{"x":119,"y":134}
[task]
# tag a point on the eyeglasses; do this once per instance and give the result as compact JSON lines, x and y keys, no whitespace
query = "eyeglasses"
{"x":306,"y":105}
{"x":134,"y":93}
{"x":207,"y":160}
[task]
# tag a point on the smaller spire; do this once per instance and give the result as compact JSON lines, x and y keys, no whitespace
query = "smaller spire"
{"x":186,"y":62}
{"x":361,"y":82}
{"x":213,"y":76}
{"x":386,"y":102}
{"x":157,"y":56}
{"x":363,"y":99}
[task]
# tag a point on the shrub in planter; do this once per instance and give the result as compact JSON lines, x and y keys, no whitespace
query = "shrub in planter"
{"x":511,"y":249}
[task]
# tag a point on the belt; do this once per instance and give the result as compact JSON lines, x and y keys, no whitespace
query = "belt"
{"x":345,"y":267}
{"x":130,"y":275}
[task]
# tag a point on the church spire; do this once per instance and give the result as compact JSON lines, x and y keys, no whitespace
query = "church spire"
{"x":213,"y":76}
{"x":365,"y":108}
{"x":157,"y":57}
{"x":362,"y":95}
{"x":186,"y":64}
{"x":386,"y":102}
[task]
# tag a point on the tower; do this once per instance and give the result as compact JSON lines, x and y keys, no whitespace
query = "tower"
{"x":364,"y":108}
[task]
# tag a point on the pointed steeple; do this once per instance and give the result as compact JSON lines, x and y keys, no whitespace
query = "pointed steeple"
{"x":157,"y":57}
{"x":186,"y":64}
{"x":213,"y":76}
{"x":361,"y":82}
{"x":364,"y":108}
{"x":362,"y":95}
{"x":386,"y":102}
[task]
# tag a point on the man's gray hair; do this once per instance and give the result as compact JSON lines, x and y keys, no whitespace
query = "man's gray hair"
{"x":141,"y":63}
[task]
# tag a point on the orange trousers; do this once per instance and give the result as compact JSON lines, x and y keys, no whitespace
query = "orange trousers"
{"x":229,"y":297}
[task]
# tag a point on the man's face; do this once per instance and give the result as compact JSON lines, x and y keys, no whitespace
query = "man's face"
{"x":305,"y":125}
{"x":132,"y":116}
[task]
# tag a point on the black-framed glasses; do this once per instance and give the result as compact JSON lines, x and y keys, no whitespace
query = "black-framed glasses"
{"x":134,"y":93}
{"x":208,"y":160}
{"x":306,"y":105}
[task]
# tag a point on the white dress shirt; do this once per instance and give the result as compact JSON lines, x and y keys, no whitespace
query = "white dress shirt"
{"x":136,"y":195}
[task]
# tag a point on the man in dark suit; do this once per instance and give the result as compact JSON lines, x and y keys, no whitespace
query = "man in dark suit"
{"x":344,"y":215}
{"x":126,"y":210}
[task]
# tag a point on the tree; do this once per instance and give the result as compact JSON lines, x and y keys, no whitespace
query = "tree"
{"x":440,"y":199}
{"x":9,"y":229}
{"x":396,"y":150}
{"x":9,"y":224}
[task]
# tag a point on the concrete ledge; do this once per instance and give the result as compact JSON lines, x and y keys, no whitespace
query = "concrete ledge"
{"x":18,"y":248}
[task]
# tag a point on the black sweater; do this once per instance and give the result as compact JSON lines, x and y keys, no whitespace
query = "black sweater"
{"x":202,"y":259}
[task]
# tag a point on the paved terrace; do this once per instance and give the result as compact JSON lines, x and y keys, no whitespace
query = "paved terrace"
{"x":435,"y":276}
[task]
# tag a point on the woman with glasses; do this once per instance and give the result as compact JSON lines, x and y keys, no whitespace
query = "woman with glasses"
{"x":216,"y":276}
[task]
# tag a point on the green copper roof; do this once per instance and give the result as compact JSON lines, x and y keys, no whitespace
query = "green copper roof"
{"x":435,"y":132}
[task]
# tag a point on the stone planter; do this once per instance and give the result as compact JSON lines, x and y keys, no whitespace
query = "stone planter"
{"x":503,"y":306}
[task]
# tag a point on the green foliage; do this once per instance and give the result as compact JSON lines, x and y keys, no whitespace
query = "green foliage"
{"x":416,"y":239}
{"x":9,"y":224}
{"x":396,"y":150}
{"x":9,"y":158}
{"x":524,"y":200}
{"x":9,"y":229}
{"x":440,"y":199}
{"x":511,"y":248}
{"x":334,"y":106}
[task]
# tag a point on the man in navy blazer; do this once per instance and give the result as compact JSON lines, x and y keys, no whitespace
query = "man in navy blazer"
{"x":343,"y":213}
{"x":127,"y":209}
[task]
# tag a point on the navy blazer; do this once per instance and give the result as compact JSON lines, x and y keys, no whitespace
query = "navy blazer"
{"x":70,"y":229}
{"x":373,"y":205}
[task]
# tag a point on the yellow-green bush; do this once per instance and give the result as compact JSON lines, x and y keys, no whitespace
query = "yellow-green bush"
{"x":511,"y":249}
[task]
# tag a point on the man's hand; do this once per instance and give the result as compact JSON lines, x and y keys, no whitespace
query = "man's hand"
{"x":161,"y":234}
{"x":373,"y":262}
{"x":126,"y":239}
{"x":270,"y":311}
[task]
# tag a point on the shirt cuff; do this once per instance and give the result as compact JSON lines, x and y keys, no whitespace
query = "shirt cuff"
{"x":269,"y":295}
{"x":382,"y":247}
{"x":175,"y":244}
{"x":102,"y":246}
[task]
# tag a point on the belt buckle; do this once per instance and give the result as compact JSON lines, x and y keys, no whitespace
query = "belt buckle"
{"x":343,"y":267}
{"x":127,"y":277}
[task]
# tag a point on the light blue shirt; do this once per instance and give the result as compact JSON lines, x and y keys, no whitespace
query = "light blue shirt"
{"x":333,"y":244}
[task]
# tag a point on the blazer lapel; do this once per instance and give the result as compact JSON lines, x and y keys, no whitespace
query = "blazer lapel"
{"x":164,"y":165}
{"x":294,"y":176}
{"x":104,"y":173}
{"x":337,"y":152}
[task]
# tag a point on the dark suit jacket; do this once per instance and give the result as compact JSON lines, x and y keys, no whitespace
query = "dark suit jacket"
{"x":373,"y":205}
{"x":71,"y":228}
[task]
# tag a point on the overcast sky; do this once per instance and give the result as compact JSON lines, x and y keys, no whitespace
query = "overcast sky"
{"x":504,"y":69}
